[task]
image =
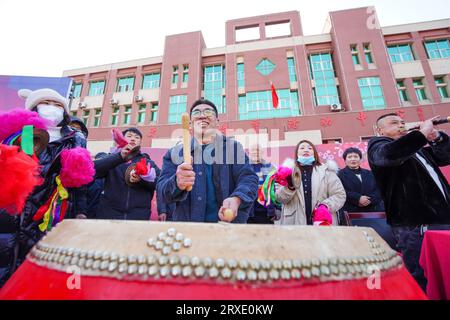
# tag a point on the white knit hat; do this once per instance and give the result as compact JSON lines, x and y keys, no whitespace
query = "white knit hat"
{"x":33,"y":98}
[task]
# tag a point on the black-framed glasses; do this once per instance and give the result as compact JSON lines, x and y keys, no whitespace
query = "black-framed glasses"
{"x":205,"y":112}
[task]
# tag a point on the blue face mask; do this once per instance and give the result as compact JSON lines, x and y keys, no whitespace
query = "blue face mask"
{"x":306,"y":161}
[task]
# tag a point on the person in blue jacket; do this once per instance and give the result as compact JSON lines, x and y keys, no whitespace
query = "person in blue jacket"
{"x":220,"y":176}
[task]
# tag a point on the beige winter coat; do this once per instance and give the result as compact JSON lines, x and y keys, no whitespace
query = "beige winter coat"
{"x":326,"y":188}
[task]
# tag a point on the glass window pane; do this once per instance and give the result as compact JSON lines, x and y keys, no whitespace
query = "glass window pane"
{"x":443,"y":44}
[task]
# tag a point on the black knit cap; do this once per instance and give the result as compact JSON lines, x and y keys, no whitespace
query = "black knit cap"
{"x":351,"y":150}
{"x":84,"y":129}
{"x":134,"y":130}
{"x":204,"y":101}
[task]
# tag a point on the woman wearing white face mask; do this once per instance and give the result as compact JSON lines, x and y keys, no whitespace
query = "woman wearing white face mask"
{"x":50,"y":105}
{"x":53,"y":111}
{"x":313,"y":190}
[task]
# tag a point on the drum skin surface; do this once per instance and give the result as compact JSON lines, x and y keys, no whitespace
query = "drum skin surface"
{"x":125,"y":260}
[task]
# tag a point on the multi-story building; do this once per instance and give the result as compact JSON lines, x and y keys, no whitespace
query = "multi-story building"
{"x":331,"y":87}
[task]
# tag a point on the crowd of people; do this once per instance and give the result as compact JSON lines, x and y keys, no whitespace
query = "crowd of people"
{"x":224,"y":183}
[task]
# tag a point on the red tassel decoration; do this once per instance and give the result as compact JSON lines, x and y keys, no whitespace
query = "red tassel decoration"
{"x":19,"y":175}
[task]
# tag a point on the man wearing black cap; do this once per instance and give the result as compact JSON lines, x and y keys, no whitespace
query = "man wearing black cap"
{"x":223,"y":182}
{"x":127,"y":195}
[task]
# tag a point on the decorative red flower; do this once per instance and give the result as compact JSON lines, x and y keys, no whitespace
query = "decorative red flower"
{"x":420,"y":114}
{"x":292,"y":124}
{"x":362,"y":117}
{"x":401,"y":113}
{"x":255,"y":125}
{"x":326,"y":122}
{"x":152,"y":132}
{"x":223,"y":128}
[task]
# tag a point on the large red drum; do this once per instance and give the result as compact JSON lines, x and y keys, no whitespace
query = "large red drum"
{"x":89,"y":259}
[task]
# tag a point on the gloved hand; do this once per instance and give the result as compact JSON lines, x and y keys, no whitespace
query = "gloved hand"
{"x":290,"y":183}
{"x":321,"y":216}
{"x":151,"y":176}
{"x":282,"y":174}
{"x":118,"y":138}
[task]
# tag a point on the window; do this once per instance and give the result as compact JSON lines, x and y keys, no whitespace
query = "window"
{"x":213,"y":85}
{"x":291,"y":69}
{"x":185,"y":73}
{"x":355,"y":54}
{"x":125,"y":84}
{"x":368,"y":53}
{"x":77,"y":90}
{"x":332,"y":141}
{"x":96,"y":88}
{"x":366,"y":138}
{"x":85,"y":117}
{"x":371,"y":93}
{"x":400,"y":53}
{"x":115,"y":116}
{"x":141,"y":113}
{"x":402,"y":91}
{"x":419,"y":88}
{"x":438,"y":49}
{"x":247,"y":33}
{"x":127,"y":115}
{"x":240,"y":75}
{"x":154,"y":113}
{"x":278,"y":29}
{"x":97,"y":117}
{"x":325,"y":91}
{"x":258,"y":105}
{"x":175,"y":75}
{"x":265,"y":67}
{"x":177,"y":105}
{"x":442,"y":87}
{"x":151,"y":81}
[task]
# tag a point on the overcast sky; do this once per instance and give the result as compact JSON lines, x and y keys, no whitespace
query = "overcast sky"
{"x":46,"y":37}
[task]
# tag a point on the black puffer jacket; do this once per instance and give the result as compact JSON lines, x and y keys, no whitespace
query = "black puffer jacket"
{"x":17,"y":238}
{"x":121,"y":201}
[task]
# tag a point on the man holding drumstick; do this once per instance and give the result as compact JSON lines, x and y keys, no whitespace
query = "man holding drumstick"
{"x":217,"y":183}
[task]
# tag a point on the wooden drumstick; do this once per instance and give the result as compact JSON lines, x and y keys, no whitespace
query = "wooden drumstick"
{"x":186,"y":141}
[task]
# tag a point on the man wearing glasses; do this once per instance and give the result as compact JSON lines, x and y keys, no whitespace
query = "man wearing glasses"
{"x":223,"y":182}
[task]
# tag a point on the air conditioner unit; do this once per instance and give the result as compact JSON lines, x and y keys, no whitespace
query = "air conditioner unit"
{"x":114,"y":101}
{"x":82,"y":105}
{"x":336,"y":107}
{"x":138,"y":98}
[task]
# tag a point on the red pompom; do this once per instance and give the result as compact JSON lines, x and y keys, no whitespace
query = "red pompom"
{"x":322,"y":216}
{"x":19,"y":175}
{"x":77,"y":168}
{"x":141,"y":167}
